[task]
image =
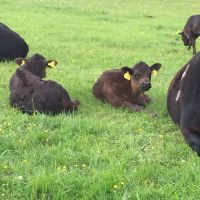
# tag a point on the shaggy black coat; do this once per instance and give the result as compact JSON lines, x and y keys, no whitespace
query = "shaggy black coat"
{"x":30,"y":93}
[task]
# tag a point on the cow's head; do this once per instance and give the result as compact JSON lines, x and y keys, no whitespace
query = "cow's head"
{"x":140,"y":75}
{"x":184,"y":38}
{"x":36,"y":64}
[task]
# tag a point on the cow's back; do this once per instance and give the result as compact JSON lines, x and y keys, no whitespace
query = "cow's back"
{"x":51,"y":97}
{"x":16,"y":90}
{"x":105,"y":83}
{"x":193,"y":25}
{"x":11,"y":44}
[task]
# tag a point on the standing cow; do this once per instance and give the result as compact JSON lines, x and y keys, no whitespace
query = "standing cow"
{"x":126,"y":87}
{"x":11,"y":44}
{"x":183,"y":101}
{"x":191,"y":32}
{"x":30,"y":93}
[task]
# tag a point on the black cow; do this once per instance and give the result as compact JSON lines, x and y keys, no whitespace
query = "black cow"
{"x":30,"y":93}
{"x":11,"y":44}
{"x":191,"y":32}
{"x":183,"y":101}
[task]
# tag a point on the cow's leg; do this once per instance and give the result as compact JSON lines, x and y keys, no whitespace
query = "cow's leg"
{"x":143,"y":99}
{"x":193,"y":41}
{"x":189,"y":46}
{"x":133,"y":107}
{"x":116,"y":101}
{"x":190,"y":43}
{"x":126,"y":104}
{"x":192,"y":137}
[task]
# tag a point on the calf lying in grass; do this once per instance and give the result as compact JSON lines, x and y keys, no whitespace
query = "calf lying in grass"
{"x":30,"y":93}
{"x":12,"y":45}
{"x":126,"y":87}
{"x":183,"y":101}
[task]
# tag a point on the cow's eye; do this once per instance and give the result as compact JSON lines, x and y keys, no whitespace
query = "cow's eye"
{"x":137,"y":75}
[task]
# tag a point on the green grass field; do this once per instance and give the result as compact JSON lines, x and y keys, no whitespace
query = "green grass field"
{"x":99,"y":152}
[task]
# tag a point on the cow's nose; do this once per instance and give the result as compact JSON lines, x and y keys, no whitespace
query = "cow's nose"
{"x":145,"y":86}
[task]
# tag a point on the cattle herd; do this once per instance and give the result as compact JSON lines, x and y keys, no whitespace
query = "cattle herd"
{"x":123,"y":87}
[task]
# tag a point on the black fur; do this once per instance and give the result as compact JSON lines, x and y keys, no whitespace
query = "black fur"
{"x":11,"y":44}
{"x":184,"y":108}
{"x":30,"y":93}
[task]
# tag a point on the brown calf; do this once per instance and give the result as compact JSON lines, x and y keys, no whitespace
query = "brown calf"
{"x":126,"y":87}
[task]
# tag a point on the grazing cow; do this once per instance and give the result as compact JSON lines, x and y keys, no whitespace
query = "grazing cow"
{"x":126,"y":87}
{"x":191,"y":32}
{"x":30,"y":93}
{"x":11,"y":44}
{"x":183,"y":101}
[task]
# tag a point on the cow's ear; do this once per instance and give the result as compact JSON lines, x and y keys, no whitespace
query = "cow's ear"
{"x":20,"y":61}
{"x":127,"y":69}
{"x":52,"y":63}
{"x":155,"y":67}
{"x":180,"y":33}
{"x":128,"y":72}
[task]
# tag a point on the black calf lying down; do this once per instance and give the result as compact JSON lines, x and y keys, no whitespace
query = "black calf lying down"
{"x":11,"y":44}
{"x":30,"y":93}
{"x":183,"y":101}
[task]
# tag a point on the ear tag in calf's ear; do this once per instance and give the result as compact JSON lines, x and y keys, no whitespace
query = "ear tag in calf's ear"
{"x":23,"y":62}
{"x":127,"y":76}
{"x":52,"y":64}
{"x":154,"y":72}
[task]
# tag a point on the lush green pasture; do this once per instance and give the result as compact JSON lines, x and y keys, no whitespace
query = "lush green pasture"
{"x":98,"y":152}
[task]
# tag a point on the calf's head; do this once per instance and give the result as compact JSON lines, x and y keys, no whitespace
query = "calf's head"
{"x":185,"y":39}
{"x":140,"y":75}
{"x":37,"y":64}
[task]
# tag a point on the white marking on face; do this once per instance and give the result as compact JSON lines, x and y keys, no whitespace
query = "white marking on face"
{"x":178,"y":95}
{"x":185,"y":72}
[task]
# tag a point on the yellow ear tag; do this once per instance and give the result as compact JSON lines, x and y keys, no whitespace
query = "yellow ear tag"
{"x":154,"y":72}
{"x":127,"y":76}
{"x":52,"y":64}
{"x":23,"y":62}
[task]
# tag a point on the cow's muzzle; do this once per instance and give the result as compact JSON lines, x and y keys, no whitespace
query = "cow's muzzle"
{"x":145,"y":86}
